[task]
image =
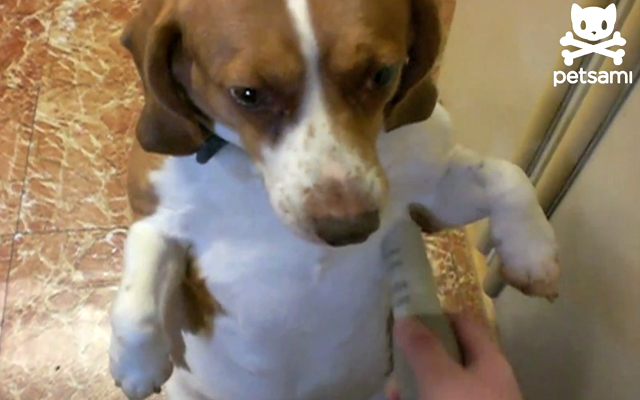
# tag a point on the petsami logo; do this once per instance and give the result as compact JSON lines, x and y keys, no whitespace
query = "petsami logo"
{"x":593,"y":24}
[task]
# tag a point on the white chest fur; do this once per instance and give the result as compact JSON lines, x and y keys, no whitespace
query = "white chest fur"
{"x":299,"y":318}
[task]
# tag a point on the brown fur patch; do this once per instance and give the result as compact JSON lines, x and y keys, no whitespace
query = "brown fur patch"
{"x":142,"y":196}
{"x":200,"y":307}
{"x":356,"y":39}
{"x":230,"y":49}
{"x":190,"y":53}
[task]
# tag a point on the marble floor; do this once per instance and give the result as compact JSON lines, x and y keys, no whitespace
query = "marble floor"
{"x":69,"y":98}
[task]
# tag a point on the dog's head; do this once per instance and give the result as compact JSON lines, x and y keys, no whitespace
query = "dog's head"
{"x":307,"y":84}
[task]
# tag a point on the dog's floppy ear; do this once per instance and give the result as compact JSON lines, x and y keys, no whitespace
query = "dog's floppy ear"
{"x":169,"y":122}
{"x":417,"y":94}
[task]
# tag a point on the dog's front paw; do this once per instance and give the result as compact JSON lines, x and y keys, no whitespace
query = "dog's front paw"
{"x":529,"y":256}
{"x":539,"y":280}
{"x":139,"y":361}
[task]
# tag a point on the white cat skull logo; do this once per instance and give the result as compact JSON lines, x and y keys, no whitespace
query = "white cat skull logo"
{"x":593,"y":24}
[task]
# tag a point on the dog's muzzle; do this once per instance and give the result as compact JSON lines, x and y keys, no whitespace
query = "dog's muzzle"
{"x":342,"y":212}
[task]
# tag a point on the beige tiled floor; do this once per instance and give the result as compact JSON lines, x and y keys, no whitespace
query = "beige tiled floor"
{"x":69,"y":98}
{"x":5,"y":259}
{"x":55,"y":329}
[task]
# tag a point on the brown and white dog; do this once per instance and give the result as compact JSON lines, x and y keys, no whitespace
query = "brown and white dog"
{"x":333,"y":130}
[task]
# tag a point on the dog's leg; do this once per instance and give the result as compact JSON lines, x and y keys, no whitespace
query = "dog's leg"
{"x":474,"y":188}
{"x":140,"y":347}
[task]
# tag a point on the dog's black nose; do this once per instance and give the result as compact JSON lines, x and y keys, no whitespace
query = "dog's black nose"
{"x":339,"y":232}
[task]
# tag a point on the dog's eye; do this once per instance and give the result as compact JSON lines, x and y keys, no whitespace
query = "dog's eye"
{"x":604,"y":25}
{"x":246,"y":97}
{"x":583,"y":25}
{"x":384,"y":76}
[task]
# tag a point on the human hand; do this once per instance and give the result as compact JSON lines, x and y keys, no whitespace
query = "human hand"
{"x":486,"y":375}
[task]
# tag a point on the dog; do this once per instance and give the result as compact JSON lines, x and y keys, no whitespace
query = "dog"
{"x":279,"y":142}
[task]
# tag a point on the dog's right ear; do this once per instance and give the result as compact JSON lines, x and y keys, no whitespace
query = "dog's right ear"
{"x":169,"y":123}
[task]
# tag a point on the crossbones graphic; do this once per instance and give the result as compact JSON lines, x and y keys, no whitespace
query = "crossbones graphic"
{"x":588,"y":48}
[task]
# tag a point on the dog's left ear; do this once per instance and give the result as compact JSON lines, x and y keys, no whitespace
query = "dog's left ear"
{"x":169,"y":122}
{"x":417,"y":94}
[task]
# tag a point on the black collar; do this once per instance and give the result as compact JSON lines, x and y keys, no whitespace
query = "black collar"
{"x":213,"y":143}
{"x":211,"y":146}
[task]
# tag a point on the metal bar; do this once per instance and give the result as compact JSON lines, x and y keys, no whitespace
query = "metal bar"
{"x":602,"y":130}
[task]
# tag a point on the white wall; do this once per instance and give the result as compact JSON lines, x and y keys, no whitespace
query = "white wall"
{"x":496,"y":77}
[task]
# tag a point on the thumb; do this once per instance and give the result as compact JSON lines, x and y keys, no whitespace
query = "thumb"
{"x":423,"y":350}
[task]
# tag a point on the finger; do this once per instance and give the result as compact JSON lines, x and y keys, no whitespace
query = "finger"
{"x":391,"y":389}
{"x":474,"y":339}
{"x":423,"y":350}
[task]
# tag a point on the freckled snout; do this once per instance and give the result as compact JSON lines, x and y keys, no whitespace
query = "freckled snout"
{"x":342,"y":212}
